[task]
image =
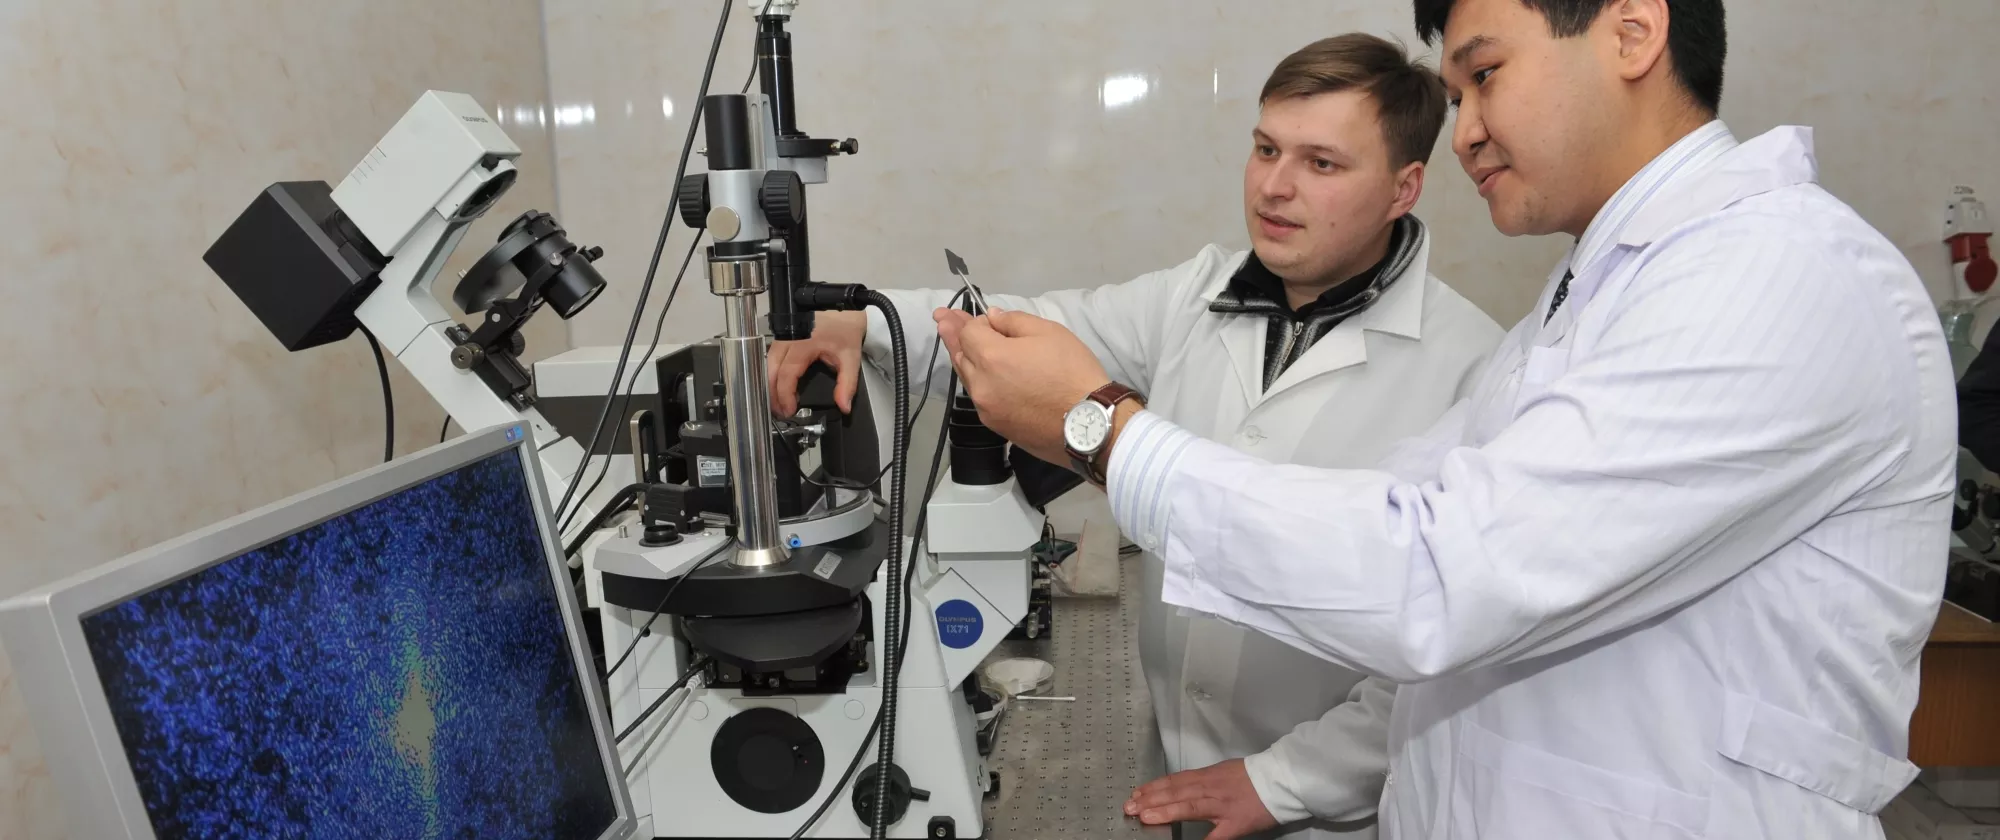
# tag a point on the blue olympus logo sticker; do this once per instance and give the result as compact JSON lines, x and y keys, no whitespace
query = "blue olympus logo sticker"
{"x":959,"y":624}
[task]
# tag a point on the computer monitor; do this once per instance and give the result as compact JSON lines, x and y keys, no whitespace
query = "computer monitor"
{"x":398,"y":654}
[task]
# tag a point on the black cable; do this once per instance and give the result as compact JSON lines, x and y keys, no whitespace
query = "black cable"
{"x":931,"y":376}
{"x":652,"y":268}
{"x":753,"y":56}
{"x":910,"y":572}
{"x":388,"y":399}
{"x":903,"y":641}
{"x":659,"y":325}
{"x":694,"y":668}
{"x":444,"y":429}
{"x":646,"y":629}
{"x":618,"y":503}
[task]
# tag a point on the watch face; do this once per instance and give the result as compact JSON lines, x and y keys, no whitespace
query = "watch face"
{"x":1086,"y":427}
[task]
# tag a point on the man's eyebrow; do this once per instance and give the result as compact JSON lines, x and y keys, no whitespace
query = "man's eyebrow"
{"x":1465,"y":50}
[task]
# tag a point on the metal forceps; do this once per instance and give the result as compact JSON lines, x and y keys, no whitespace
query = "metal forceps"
{"x":972,"y":294}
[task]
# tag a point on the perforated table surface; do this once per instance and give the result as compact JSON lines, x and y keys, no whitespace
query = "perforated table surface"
{"x":1066,"y":768}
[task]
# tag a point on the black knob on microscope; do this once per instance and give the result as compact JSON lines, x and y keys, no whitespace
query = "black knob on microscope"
{"x":693,"y":200}
{"x":783,"y":198}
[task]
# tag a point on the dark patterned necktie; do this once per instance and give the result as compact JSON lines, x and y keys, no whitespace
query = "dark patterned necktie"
{"x":1562,"y":292}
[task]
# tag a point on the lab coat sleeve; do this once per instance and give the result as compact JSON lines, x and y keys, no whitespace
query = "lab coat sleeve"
{"x":1417,"y":460}
{"x":1121,"y":323}
{"x":1744,"y":387}
{"x":1331,"y":768}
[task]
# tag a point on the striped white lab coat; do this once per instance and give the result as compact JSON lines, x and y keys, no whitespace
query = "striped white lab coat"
{"x":1667,"y":573}
{"x":1312,"y":734}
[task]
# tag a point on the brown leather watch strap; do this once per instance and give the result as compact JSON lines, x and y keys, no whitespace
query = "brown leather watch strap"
{"x":1114,"y":393}
{"x":1097,"y":465}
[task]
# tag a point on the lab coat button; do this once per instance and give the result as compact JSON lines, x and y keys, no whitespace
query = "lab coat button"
{"x":1253,"y":435}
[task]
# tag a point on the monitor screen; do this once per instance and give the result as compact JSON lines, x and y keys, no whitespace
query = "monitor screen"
{"x":400,"y":670}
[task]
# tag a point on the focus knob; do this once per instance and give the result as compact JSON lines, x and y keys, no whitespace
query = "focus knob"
{"x":693,"y":200}
{"x":783,"y":198}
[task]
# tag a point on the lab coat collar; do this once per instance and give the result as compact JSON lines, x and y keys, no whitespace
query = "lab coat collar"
{"x":1220,"y":281}
{"x":1400,"y":312}
{"x":1782,"y":157}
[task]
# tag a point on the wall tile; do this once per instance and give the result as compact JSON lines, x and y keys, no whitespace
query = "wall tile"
{"x":141,"y":399}
{"x":985,"y":128}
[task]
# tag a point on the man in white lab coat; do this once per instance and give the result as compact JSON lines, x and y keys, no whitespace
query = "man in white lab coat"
{"x":1323,"y":346}
{"x":1667,"y":572}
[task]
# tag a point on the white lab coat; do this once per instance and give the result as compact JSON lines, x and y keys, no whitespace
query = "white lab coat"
{"x":1380,"y":376}
{"x":1666,"y":574}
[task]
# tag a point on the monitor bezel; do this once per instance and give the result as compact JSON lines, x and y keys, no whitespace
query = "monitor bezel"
{"x":43,"y":630}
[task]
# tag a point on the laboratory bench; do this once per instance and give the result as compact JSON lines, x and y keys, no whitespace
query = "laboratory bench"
{"x":1067,"y":767}
{"x":1954,"y":725}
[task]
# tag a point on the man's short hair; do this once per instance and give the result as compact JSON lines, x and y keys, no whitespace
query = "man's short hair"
{"x":1696,"y":37}
{"x":1409,"y":97}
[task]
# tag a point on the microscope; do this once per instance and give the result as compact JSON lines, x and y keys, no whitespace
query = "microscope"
{"x":798,"y":620}
{"x":315,"y":263}
{"x":824,"y":670}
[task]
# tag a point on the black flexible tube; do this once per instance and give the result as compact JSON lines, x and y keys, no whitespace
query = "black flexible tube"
{"x":893,"y":615}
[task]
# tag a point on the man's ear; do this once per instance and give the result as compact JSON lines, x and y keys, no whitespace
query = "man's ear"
{"x":1642,"y":36}
{"x":1409,"y":188}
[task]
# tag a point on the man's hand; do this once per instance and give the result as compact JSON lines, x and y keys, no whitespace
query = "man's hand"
{"x":1023,"y":372}
{"x":1220,"y":794}
{"x":836,"y":340}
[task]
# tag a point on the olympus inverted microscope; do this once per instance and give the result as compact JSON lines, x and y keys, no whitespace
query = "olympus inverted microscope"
{"x":764,"y":589}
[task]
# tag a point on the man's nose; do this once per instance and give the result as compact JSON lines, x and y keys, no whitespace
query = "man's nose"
{"x":1277,"y":183}
{"x":1468,"y":132}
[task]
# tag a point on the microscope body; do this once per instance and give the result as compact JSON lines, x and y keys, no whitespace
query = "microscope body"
{"x":751,"y":755}
{"x":316,"y":263}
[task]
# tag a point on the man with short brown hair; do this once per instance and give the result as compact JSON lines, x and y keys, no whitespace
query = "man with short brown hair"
{"x":1322,"y":345}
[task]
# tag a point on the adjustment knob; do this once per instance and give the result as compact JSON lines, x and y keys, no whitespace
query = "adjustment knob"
{"x":850,"y":146}
{"x":783,"y":198}
{"x":693,"y":200}
{"x":901,"y":794}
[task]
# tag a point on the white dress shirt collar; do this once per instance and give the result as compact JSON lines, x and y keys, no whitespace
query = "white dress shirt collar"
{"x":1685,"y":157}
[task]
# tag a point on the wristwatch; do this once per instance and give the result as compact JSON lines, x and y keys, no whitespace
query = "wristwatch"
{"x":1087,"y":427}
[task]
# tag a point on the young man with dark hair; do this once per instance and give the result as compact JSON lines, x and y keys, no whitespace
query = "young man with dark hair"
{"x":1322,"y":345}
{"x":1667,"y":572}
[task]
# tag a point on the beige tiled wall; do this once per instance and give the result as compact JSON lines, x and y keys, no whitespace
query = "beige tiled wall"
{"x":1065,"y":143}
{"x":139,"y":399}
{"x":1057,"y":143}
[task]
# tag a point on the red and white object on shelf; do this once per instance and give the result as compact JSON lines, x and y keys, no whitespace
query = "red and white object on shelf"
{"x":1967,"y":230}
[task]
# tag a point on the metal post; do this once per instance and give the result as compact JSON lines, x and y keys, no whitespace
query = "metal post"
{"x":747,"y":396}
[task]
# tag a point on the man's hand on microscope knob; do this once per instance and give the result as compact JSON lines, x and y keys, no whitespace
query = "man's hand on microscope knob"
{"x":836,"y":340}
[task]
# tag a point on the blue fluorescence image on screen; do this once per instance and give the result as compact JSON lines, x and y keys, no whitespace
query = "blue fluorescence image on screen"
{"x":400,"y":671}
